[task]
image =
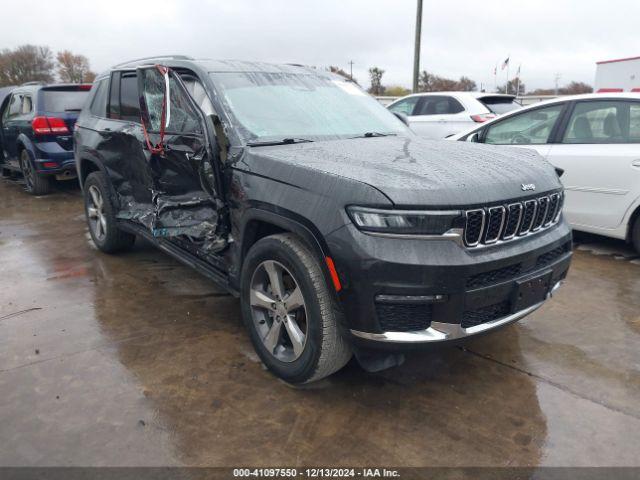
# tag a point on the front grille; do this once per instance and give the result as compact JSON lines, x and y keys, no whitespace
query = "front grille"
{"x":551,"y":256}
{"x":471,"y":318}
{"x":474,"y":227}
{"x":514,"y":215}
{"x":485,"y":226}
{"x":397,"y":317}
{"x":494,"y":225}
{"x":494,"y":276}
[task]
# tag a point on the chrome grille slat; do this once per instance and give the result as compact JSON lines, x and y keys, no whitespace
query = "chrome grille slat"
{"x":494,"y":225}
{"x":497,"y":224}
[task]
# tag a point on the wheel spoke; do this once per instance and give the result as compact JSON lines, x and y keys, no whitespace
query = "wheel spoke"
{"x":98,"y":231}
{"x":97,"y":198}
{"x":294,"y":300}
{"x":273,"y":335}
{"x":261,"y":299}
{"x":275,"y":278}
{"x":92,"y":212}
{"x":295,"y":335}
{"x":103,"y":223}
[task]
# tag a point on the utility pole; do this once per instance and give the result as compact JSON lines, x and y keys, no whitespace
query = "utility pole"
{"x":416,"y":49}
{"x":558,"y":76}
{"x":351,"y":70}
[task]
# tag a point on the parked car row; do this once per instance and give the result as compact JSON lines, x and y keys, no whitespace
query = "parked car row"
{"x":342,"y":231}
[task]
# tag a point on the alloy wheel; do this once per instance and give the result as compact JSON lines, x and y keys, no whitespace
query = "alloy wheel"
{"x":95,"y":213}
{"x":27,"y":169}
{"x":279,"y":311}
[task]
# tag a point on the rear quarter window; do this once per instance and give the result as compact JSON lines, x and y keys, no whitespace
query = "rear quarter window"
{"x":58,"y":100}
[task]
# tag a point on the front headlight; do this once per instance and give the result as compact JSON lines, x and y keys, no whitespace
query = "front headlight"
{"x":405,"y":222}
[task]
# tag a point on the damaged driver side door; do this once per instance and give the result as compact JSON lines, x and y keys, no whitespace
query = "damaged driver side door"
{"x":181,"y":156}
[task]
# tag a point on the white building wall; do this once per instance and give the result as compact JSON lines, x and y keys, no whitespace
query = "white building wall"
{"x":624,"y":74}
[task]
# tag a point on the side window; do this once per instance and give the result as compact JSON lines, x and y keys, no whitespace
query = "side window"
{"x":114,"y":96}
{"x":181,"y":116}
{"x":129,"y":102}
{"x":436,"y":105}
{"x":405,"y":106}
{"x":603,"y":122}
{"x":526,"y":128}
{"x":634,"y":122}
{"x":183,"y":119}
{"x":198,"y":93}
{"x":15,"y":106}
{"x":27,"y":105}
{"x":99,"y":103}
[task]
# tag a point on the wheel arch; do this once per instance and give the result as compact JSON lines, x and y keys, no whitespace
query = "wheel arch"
{"x":632,"y":220}
{"x":260,"y":222}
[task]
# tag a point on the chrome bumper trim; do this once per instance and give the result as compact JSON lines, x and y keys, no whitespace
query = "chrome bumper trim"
{"x":439,"y":332}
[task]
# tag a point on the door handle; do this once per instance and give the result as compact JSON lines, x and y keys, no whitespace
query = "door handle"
{"x":636,"y":163}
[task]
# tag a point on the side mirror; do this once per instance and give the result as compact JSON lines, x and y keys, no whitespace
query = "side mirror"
{"x":155,"y":104}
{"x":403,"y":118}
{"x":559,"y":171}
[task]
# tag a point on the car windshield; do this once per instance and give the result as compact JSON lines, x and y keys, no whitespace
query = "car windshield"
{"x":275,"y":106}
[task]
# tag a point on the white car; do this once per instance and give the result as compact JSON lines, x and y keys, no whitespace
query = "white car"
{"x":595,"y":139}
{"x":441,"y":114}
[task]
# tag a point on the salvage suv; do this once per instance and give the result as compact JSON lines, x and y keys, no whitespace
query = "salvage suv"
{"x":340,"y":230}
{"x":36,"y":123}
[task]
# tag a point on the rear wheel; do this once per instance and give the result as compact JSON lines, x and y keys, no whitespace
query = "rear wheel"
{"x":101,"y":217}
{"x":635,"y":234}
{"x":35,"y":183}
{"x":292,"y":316}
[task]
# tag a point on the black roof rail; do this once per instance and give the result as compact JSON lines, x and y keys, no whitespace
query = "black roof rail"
{"x":155,"y":57}
{"x":37,"y":82}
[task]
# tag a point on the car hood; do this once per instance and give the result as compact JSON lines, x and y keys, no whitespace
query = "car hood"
{"x":413,"y":171}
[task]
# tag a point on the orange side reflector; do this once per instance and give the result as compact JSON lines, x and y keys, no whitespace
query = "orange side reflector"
{"x":334,"y":274}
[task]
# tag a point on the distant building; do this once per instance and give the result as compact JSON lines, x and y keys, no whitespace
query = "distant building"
{"x":620,"y":75}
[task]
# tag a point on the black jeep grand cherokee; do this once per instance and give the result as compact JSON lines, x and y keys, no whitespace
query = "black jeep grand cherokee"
{"x":341,"y":231}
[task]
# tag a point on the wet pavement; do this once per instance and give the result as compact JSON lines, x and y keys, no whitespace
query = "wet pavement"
{"x":137,"y":360}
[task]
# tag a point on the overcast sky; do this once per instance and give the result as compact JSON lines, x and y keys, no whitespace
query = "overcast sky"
{"x":459,"y":37}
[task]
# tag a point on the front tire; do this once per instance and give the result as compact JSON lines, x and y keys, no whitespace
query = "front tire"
{"x":101,"y":217}
{"x":635,"y":234}
{"x":292,"y":316}
{"x":34,"y":183}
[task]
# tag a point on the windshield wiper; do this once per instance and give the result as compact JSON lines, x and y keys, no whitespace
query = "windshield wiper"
{"x":374,"y":134}
{"x":284,"y":141}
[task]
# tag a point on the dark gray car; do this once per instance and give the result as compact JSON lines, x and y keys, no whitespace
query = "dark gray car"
{"x":340,"y":230}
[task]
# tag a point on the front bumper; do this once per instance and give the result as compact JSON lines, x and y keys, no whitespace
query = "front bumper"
{"x":441,"y":332}
{"x":453,"y":292}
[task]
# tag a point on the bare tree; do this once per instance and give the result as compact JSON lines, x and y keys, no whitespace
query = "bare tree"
{"x":429,"y":82}
{"x":573,"y":88}
{"x":375,"y":74}
{"x":73,"y":68}
{"x":514,"y":84}
{"x":27,"y":63}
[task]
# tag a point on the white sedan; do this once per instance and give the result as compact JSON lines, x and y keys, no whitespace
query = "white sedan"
{"x":595,"y":139}
{"x":441,"y":114}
